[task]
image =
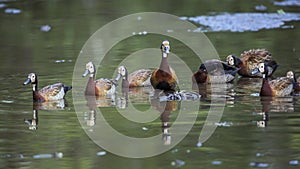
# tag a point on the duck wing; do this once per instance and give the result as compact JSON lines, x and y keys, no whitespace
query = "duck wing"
{"x":104,"y":83}
{"x":282,"y":86}
{"x":53,"y":92}
{"x":140,"y":77}
{"x":216,"y":67}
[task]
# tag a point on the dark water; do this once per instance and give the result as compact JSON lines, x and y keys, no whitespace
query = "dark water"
{"x":253,"y":132}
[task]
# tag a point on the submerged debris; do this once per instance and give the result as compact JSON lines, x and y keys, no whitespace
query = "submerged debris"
{"x":101,"y":153}
{"x":178,"y":163}
{"x":241,"y":22}
{"x":287,"y":3}
{"x":259,"y":164}
{"x":199,"y":144}
{"x":2,"y":5}
{"x":216,"y":162}
{"x":261,"y":8}
{"x":45,"y":28}
{"x":145,"y":128}
{"x":12,"y":11}
{"x":294,"y":162}
{"x":224,"y":124}
{"x":54,"y":155}
{"x":7,"y":101}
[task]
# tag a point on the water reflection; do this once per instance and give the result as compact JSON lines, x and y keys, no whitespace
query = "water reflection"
{"x":206,"y":91}
{"x":90,"y":115}
{"x":165,"y":108}
{"x":274,"y":105}
{"x":140,"y":95}
{"x":51,"y":105}
{"x":33,"y":122}
{"x":248,"y":85}
{"x":278,"y":104}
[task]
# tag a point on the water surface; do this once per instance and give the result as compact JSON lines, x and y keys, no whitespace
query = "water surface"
{"x":253,"y":132}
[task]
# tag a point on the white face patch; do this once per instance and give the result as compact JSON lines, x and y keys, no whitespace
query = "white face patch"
{"x":230,"y":60}
{"x":122,"y":71}
{"x":165,"y":47}
{"x":290,"y":74}
{"x":261,"y":67}
{"x":32,"y":77}
{"x":90,"y":66}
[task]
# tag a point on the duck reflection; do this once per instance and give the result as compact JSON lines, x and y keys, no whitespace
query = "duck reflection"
{"x":273,"y":105}
{"x":90,"y":115}
{"x":92,"y":103}
{"x":140,"y":95}
{"x":206,"y":90}
{"x":278,"y":104}
{"x":248,"y":85}
{"x":33,"y":122}
{"x":51,"y":105}
{"x":165,"y":107}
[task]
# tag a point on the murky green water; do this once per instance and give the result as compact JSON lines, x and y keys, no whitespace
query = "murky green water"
{"x":245,"y":137}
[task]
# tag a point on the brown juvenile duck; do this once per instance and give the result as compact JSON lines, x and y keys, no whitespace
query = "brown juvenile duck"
{"x":281,"y":86}
{"x":250,"y":59}
{"x":140,"y":78}
{"x":48,"y":93}
{"x":219,"y":72}
{"x":164,"y":77}
{"x":100,"y":87}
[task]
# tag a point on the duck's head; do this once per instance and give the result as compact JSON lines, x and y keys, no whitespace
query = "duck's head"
{"x":262,"y":68}
{"x":291,"y":75}
{"x":165,"y":47}
{"x":232,"y":60}
{"x":122,"y":72}
{"x":89,"y":69}
{"x":31,"y":78}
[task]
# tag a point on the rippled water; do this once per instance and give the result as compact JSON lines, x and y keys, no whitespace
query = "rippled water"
{"x":46,"y":38}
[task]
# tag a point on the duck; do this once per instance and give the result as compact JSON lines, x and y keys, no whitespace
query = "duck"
{"x":291,"y":74}
{"x":100,"y":87}
{"x":138,"y":78}
{"x":250,"y":59}
{"x":217,"y":69}
{"x":48,"y":93}
{"x":123,"y":73}
{"x":279,"y":87}
{"x":164,"y":78}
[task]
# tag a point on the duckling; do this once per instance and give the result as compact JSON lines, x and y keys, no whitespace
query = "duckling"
{"x":164,"y":77}
{"x":48,"y":93}
{"x":281,"y":86}
{"x":291,"y":74}
{"x":217,"y":70}
{"x":250,"y":59}
{"x":100,"y":87}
